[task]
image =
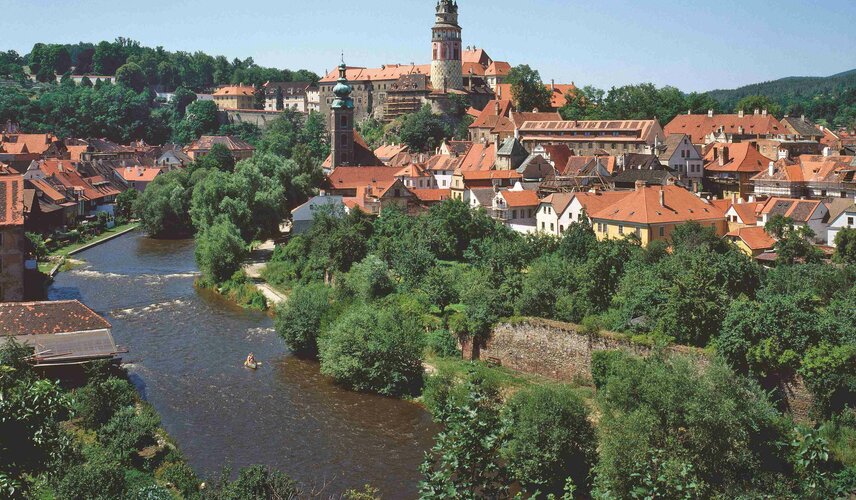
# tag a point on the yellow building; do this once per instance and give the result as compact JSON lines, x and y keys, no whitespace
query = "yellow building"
{"x":235,"y":97}
{"x":752,"y":240}
{"x":652,"y":213}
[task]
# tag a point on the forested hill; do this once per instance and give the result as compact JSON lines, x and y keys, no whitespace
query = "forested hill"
{"x":196,"y":71}
{"x":831,"y":98}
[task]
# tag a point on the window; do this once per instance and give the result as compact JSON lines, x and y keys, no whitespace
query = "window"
{"x":543,"y":225}
{"x":514,"y":214}
{"x":849,"y":223}
{"x":344,"y":120}
{"x":561,"y":229}
{"x":620,"y":229}
{"x":551,"y":226}
{"x":662,"y":231}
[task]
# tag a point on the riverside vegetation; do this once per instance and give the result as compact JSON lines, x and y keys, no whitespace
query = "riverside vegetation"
{"x":230,"y":205}
{"x":100,"y":441}
{"x":373,"y":298}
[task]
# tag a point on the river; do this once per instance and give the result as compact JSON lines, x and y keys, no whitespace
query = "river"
{"x":186,"y":353}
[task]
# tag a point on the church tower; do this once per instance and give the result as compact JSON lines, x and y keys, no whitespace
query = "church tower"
{"x":446,"y":48}
{"x":342,"y":122}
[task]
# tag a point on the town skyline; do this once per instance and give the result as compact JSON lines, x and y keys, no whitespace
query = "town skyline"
{"x":682,"y":47}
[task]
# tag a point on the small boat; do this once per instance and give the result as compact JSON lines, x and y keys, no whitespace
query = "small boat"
{"x":252,"y":366}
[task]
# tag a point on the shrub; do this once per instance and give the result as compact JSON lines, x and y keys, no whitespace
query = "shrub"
{"x":667,"y":425}
{"x":603,"y":365}
{"x":550,"y":439}
{"x":442,"y":343}
{"x":830,"y":374}
{"x":256,"y":481}
{"x":369,"y":279}
{"x":128,"y":432}
{"x":94,"y":480}
{"x":180,"y":476}
{"x":298,"y":320}
{"x":220,"y":251}
{"x":374,"y":349}
{"x":151,"y":492}
{"x":97,"y":401}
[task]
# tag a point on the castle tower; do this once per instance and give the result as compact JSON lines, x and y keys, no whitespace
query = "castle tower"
{"x":342,"y":122}
{"x":446,"y":48}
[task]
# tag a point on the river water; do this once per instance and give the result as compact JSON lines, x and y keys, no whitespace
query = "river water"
{"x":186,"y":353}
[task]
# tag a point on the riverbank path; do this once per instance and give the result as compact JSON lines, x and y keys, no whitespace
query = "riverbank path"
{"x":253,"y":267}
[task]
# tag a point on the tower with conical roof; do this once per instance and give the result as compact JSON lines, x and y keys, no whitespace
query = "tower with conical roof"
{"x":342,"y":121}
{"x":446,"y":48}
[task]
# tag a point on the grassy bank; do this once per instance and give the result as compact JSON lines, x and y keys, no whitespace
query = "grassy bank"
{"x":63,"y":252}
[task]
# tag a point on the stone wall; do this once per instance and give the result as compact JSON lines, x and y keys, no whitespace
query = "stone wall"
{"x":259,"y":117}
{"x":559,"y":351}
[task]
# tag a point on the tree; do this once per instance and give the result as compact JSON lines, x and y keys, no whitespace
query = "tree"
{"x":219,"y":251}
{"x":369,"y":279}
{"x":219,"y":158}
{"x":422,"y":131}
{"x":550,"y":439}
{"x":125,"y":202}
{"x":299,"y":319}
{"x":256,"y":481}
{"x":845,"y":246}
{"x":374,"y":349}
{"x":164,"y":207}
{"x":30,"y":413}
{"x":751,"y":103}
{"x":527,"y":89}
{"x":200,"y":119}
{"x":131,"y":76}
{"x":464,"y":462}
{"x":675,"y":430}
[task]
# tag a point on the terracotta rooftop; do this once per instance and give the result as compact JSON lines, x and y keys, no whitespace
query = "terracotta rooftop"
{"x":431,"y":194}
{"x":490,"y":174}
{"x":138,"y":174}
{"x":559,"y":201}
{"x":361,"y":177}
{"x":796,"y":209}
{"x":49,"y":317}
{"x":755,"y":237}
{"x":498,"y":68}
{"x":597,"y":201}
{"x":699,"y":126}
{"x":480,"y":156}
{"x":35,"y":143}
{"x":524,"y":198}
{"x":235,"y":90}
{"x":388,"y":151}
{"x":11,"y":200}
{"x":741,"y":157}
{"x":387,"y":72}
{"x":643,"y":206}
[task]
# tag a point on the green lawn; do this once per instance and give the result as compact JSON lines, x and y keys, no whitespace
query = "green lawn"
{"x":62,"y":252}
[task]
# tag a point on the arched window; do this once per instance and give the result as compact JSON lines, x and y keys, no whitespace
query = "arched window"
{"x":344,"y":120}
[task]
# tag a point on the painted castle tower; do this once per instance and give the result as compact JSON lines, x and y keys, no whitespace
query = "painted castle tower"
{"x":342,"y":121}
{"x":446,"y":48}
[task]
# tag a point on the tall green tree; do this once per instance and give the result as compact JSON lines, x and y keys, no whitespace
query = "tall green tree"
{"x":527,"y":89}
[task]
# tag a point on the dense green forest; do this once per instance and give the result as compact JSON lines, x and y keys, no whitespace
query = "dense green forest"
{"x":828,"y":100}
{"x":372,"y":298}
{"x":197,"y":71}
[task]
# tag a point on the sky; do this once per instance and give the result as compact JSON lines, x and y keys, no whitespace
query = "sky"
{"x":693,"y":45}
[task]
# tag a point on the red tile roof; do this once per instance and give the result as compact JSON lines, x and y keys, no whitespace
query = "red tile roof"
{"x":498,"y":68}
{"x":49,"y":317}
{"x":138,"y":174}
{"x":49,"y":191}
{"x":755,"y":237}
{"x":361,"y":177}
{"x":742,"y":157}
{"x":558,"y":92}
{"x":493,"y":113}
{"x":471,"y":175}
{"x":388,"y":151}
{"x":388,"y":72}
{"x":11,"y":201}
{"x":235,"y":90}
{"x":206,"y":142}
{"x":642,"y":206}
{"x":431,"y":194}
{"x":516,"y":199}
{"x":35,"y":143}
{"x":698,"y":126}
{"x":796,"y":209}
{"x":597,"y":201}
{"x":479,"y":157}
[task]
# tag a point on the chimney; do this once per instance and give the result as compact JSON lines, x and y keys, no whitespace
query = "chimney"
{"x":740,"y":114}
{"x":764,"y":112}
{"x":662,"y":197}
{"x":710,"y":113}
{"x":771,"y":169}
{"x":496,"y":108}
{"x":723,"y":156}
{"x":553,"y":85}
{"x":802,"y":117}
{"x":639,"y":185}
{"x":757,"y":111}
